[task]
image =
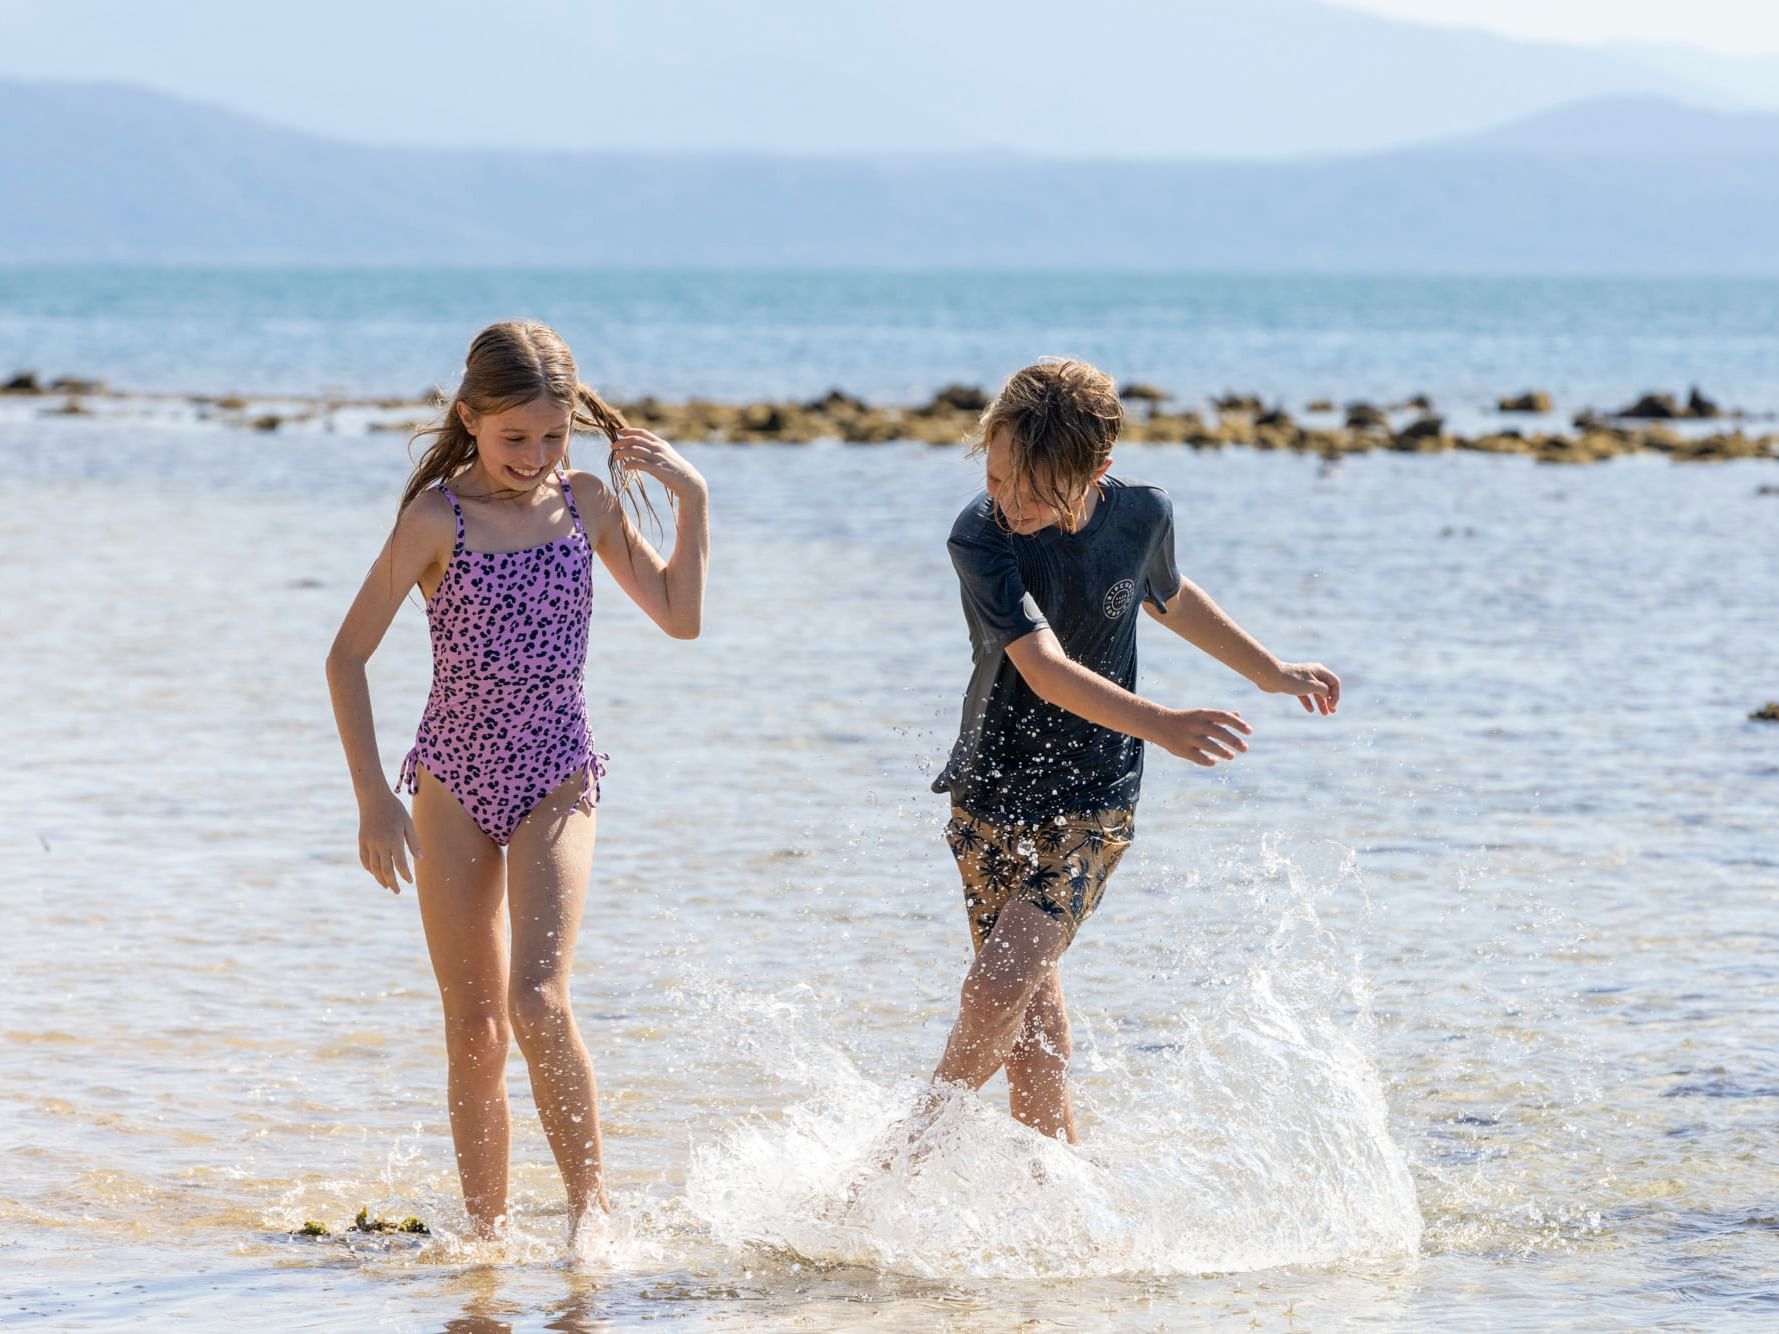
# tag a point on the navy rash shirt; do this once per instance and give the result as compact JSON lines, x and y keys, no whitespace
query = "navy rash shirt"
{"x":1018,"y":758}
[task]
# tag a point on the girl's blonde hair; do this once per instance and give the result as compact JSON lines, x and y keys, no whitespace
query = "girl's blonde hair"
{"x":1062,"y":418}
{"x":510,"y":364}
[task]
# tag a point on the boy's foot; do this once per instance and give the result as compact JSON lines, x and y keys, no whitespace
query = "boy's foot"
{"x":590,"y":1233}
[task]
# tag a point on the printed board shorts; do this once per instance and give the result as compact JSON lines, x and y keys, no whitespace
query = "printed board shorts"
{"x":1059,"y":866}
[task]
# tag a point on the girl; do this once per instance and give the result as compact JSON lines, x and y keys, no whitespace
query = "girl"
{"x":499,"y":536}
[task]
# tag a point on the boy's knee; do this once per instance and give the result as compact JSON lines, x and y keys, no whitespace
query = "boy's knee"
{"x":996,"y":995}
{"x":1046,"y":1027}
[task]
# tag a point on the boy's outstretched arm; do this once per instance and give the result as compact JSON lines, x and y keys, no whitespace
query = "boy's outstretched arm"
{"x":1198,"y":620}
{"x":1203,"y":736}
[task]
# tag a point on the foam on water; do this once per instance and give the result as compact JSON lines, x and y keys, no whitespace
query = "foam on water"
{"x":1252,"y":1134}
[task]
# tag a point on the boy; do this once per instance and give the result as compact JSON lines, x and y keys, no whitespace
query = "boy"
{"x":1053,"y":559}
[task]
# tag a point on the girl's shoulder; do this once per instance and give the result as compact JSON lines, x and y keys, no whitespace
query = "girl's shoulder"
{"x":428,"y":521}
{"x":589,"y":487}
{"x":592,"y":494}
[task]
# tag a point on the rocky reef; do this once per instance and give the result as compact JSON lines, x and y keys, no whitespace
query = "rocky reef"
{"x":1656,"y":423}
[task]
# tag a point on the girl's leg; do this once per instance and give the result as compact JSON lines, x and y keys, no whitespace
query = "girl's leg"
{"x":548,"y":862}
{"x":1014,"y":962}
{"x":1038,"y":1065}
{"x":458,"y":876}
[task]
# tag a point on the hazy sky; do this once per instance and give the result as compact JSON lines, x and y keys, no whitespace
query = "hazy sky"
{"x":1730,"y":27}
{"x":1109,"y":77}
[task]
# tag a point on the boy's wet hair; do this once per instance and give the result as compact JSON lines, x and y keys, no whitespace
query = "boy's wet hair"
{"x":1062,"y":418}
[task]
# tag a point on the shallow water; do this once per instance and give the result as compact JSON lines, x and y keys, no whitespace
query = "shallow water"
{"x":1459,"y":1008}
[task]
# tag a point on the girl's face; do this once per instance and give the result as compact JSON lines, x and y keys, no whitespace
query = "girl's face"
{"x":521,"y":446}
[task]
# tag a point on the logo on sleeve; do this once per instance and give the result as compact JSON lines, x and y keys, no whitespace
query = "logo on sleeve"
{"x":1118,"y":598}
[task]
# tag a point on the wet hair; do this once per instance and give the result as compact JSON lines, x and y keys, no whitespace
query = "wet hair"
{"x":1062,"y":418}
{"x":509,"y":365}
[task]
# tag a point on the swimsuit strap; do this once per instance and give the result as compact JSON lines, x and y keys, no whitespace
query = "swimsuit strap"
{"x":457,"y":510}
{"x":568,"y":495}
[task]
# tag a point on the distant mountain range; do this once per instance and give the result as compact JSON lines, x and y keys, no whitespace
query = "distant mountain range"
{"x":1239,"y":80}
{"x":104,"y":173}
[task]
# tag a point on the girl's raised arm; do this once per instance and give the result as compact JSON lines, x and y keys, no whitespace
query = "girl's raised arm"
{"x":671,"y":592}
{"x":421,"y":542}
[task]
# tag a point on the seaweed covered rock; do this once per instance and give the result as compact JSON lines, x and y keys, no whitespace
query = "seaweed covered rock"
{"x":1652,"y":407}
{"x":1138,"y":392}
{"x":1363,"y":416}
{"x":837,"y":401}
{"x":1533,"y":400}
{"x":1248,"y":403}
{"x":365,"y":1222}
{"x":766,"y":418}
{"x":957,"y":398}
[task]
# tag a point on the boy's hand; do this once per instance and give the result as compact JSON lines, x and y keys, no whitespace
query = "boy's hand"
{"x":1203,"y":736}
{"x":1316,"y":688}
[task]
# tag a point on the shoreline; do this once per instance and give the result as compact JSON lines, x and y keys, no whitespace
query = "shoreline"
{"x":1528,"y":424}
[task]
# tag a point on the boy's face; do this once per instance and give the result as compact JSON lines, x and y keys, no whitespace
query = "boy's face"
{"x":1025,"y":514}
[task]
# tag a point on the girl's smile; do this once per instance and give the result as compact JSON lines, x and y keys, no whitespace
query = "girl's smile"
{"x":519,"y":447}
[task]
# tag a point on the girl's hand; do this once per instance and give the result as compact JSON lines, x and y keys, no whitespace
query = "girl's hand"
{"x":1316,"y":688}
{"x":386,"y":835}
{"x":647,"y":453}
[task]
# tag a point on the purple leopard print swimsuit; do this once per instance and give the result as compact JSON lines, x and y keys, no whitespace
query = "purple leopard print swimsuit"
{"x":506,"y":722}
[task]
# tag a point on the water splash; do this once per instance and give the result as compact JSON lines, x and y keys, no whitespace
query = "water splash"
{"x":1251,"y":1132}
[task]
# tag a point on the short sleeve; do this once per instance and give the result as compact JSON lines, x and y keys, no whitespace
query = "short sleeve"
{"x":1161,"y":580}
{"x":996,"y":604}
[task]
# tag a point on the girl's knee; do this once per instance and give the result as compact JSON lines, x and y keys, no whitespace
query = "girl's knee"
{"x":478,"y":1039}
{"x":538,"y":1009}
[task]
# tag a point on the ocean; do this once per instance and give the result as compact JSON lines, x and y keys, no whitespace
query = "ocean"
{"x":897,"y":337}
{"x":1459,"y":1008}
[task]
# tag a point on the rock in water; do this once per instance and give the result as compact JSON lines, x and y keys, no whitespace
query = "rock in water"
{"x":1533,"y":400}
{"x":1697,"y":405}
{"x":1653,"y":407}
{"x":1249,"y":403}
{"x":1366,"y":417}
{"x":959,"y":398}
{"x":1138,"y":392}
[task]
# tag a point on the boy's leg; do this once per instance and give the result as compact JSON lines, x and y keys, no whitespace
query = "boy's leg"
{"x":1012,"y":964}
{"x":1038,"y":1065}
{"x":1056,"y":871}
